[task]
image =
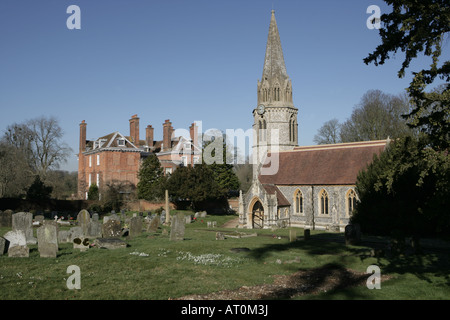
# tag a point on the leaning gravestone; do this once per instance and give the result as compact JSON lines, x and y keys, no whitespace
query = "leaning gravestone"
{"x":177,"y":227}
{"x":6,"y":218}
{"x":47,"y":236}
{"x":24,"y":221}
{"x":83,"y":220}
{"x":135,"y":226}
{"x":112,"y":229}
{"x":154,"y":224}
{"x":2,"y":246}
{"x":17,"y":244}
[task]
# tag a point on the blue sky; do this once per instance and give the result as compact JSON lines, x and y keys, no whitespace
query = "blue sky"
{"x":196,"y":60}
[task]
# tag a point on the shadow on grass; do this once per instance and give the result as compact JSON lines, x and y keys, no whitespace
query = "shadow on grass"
{"x":427,"y":266}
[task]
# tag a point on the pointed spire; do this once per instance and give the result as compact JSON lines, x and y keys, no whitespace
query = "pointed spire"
{"x":274,"y":66}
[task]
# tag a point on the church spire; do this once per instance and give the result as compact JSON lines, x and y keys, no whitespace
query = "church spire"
{"x":274,"y":65}
{"x":275,"y":88}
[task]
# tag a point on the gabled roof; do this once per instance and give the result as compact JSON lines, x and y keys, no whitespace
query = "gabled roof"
{"x":272,"y":189}
{"x":336,"y":164}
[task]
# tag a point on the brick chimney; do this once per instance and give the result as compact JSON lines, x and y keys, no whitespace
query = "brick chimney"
{"x":83,"y":136}
{"x":149,"y":132}
{"x":193,"y":129}
{"x":134,"y":130}
{"x":167,"y":135}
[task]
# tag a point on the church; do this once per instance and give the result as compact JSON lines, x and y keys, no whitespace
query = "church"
{"x":308,"y":187}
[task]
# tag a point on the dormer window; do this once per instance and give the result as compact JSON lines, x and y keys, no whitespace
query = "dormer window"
{"x":121,"y":142}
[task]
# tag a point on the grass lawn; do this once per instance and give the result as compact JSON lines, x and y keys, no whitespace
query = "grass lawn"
{"x":155,"y":268}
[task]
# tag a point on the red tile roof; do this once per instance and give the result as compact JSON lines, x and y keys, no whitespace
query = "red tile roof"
{"x":337,"y":164}
{"x":272,"y":189}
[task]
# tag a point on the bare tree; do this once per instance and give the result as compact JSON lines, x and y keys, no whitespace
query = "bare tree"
{"x":329,"y":133}
{"x":39,"y":140}
{"x":15,"y":173}
{"x":377,"y":116}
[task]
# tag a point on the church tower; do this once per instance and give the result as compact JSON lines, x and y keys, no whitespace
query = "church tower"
{"x":275,"y":117}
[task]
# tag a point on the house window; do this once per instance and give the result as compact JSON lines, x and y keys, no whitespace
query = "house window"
{"x":121,"y":142}
{"x":90,"y":179}
{"x":351,"y":202}
{"x":90,"y":161}
{"x":168,"y":171}
{"x":98,"y":180}
{"x":323,"y":199}
{"x":298,"y":200}
{"x":98,"y":159}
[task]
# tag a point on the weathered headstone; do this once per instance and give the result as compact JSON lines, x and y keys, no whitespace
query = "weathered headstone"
{"x":112,"y":216}
{"x":75,"y":232}
{"x":112,"y":229}
{"x":3,"y":246}
{"x":154,"y":224}
{"x":352,"y":234}
{"x":94,"y":229}
{"x":64,"y":236}
{"x":135,"y":226}
{"x":17,"y":243}
{"x":47,"y":236}
{"x":81,"y":243}
{"x":24,"y":221}
{"x":177,"y":227}
{"x":95,"y":216}
{"x":39,"y":219}
{"x":292,"y":235}
{"x":83,"y":219}
{"x":6,"y":218}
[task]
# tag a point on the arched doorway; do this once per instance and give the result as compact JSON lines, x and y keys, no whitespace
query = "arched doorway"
{"x":258,"y":215}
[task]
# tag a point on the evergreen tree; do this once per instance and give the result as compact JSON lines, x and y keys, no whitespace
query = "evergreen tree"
{"x":151,"y":179}
{"x":93,"y":192}
{"x":38,"y":190}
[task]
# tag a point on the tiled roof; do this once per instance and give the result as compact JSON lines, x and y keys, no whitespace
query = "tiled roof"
{"x":337,"y":164}
{"x":272,"y":189}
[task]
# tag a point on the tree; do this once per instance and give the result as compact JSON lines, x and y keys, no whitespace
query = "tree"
{"x":328,"y":133}
{"x":222,"y":168}
{"x":151,"y":179}
{"x":377,"y":116}
{"x":38,"y":190}
{"x":15,"y":174}
{"x":195,"y":185}
{"x":93,"y":193}
{"x":405,"y":190}
{"x":39,"y":140}
{"x":420,"y":27}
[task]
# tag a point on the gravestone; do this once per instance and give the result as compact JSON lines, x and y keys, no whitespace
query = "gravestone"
{"x":292,"y":235}
{"x":112,"y":229}
{"x":154,"y":224}
{"x":39,"y":219}
{"x":135,"y":226}
{"x":17,"y":244}
{"x":352,"y":234}
{"x":83,"y":219}
{"x":47,"y":236}
{"x":95,"y":217}
{"x":112,"y":216}
{"x":81,"y":243}
{"x":6,"y":218}
{"x":64,"y":236}
{"x":307,"y":234}
{"x":94,"y":229}
{"x":75,"y":232}
{"x":3,"y":246}
{"x":24,"y":221}
{"x":177,"y":227}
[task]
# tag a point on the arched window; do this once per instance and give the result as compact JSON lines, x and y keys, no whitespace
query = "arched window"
{"x":298,"y":202}
{"x":323,"y":200}
{"x":351,"y":201}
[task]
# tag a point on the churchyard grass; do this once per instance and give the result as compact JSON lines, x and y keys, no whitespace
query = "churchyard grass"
{"x":155,"y":268}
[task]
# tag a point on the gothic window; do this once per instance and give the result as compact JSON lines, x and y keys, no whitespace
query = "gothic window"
{"x":264,"y":130}
{"x":323,"y":200}
{"x":298,"y":201}
{"x":351,"y":202}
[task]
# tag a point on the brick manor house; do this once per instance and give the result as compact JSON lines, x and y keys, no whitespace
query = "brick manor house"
{"x":314,"y":187}
{"x":116,"y":158}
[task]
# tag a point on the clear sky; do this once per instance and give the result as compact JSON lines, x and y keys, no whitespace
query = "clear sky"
{"x":183,"y":60}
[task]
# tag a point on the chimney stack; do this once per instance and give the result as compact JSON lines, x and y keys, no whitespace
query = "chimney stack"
{"x":193,"y":129}
{"x":83,"y":136}
{"x":134,"y":130}
{"x":167,"y":135}
{"x":149,"y":131}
